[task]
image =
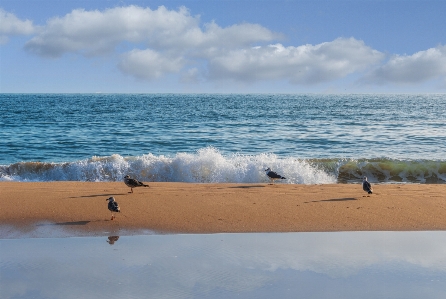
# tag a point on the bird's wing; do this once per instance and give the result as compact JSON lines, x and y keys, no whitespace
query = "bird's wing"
{"x":134,"y":182}
{"x":366,"y":186}
{"x":113,"y":206}
{"x":274,"y":175}
{"x":139,"y":183}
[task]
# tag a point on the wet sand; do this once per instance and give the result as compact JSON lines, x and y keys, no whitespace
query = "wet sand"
{"x":221,"y":208}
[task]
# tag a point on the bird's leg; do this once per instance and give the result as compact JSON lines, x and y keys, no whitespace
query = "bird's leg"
{"x":112,"y":217}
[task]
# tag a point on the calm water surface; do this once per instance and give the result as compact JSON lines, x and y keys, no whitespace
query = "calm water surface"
{"x":287,"y":265}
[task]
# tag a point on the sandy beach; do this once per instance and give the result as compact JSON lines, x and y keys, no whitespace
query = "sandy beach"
{"x":218,"y":208}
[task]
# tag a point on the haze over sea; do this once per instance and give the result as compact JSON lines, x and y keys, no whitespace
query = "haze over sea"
{"x":229,"y":138}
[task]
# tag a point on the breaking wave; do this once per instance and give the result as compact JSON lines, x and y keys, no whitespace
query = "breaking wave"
{"x":208,"y":165}
{"x":384,"y":170}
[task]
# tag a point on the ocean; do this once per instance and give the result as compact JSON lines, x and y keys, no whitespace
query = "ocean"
{"x":223,"y":138}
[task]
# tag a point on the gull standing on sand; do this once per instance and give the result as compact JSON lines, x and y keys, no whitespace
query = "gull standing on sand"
{"x":273,"y":175}
{"x":132,"y":183}
{"x":113,"y":206}
{"x":366,"y":186}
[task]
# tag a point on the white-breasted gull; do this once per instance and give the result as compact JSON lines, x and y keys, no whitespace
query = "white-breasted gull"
{"x":113,"y":206}
{"x":366,"y":186}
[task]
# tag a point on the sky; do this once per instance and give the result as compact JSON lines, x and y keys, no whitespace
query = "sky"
{"x":223,"y":46}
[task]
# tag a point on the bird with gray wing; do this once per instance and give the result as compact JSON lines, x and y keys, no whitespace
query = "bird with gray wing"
{"x":273,"y":175}
{"x":132,"y":183}
{"x":113,"y":206}
{"x":366,"y":186}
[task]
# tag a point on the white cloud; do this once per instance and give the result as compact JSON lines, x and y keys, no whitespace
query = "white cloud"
{"x":163,"y":41}
{"x":149,"y":64}
{"x":11,"y":26}
{"x":96,"y":32}
{"x":308,"y":64}
{"x":417,"y":68}
{"x":191,"y":76}
{"x":171,"y":38}
{"x":235,"y":35}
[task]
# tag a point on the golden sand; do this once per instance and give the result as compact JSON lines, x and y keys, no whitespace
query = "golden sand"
{"x":217,"y":208}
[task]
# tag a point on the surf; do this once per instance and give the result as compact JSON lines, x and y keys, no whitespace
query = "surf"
{"x":209,"y":165}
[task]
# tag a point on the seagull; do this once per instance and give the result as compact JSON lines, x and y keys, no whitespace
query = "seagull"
{"x":366,"y":186}
{"x":113,"y":206}
{"x":273,"y":175}
{"x":132,"y":183}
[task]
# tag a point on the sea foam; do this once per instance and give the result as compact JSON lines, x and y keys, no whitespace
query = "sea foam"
{"x":207,"y":165}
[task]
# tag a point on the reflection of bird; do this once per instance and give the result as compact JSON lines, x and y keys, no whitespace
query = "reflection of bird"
{"x":132,"y":183}
{"x":366,"y":186}
{"x":112,"y":239}
{"x":273,"y":175}
{"x":113,"y":206}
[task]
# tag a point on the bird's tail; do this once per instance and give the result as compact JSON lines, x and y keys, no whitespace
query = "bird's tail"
{"x":283,"y":178}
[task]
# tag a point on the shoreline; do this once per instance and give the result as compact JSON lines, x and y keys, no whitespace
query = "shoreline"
{"x":80,"y":208}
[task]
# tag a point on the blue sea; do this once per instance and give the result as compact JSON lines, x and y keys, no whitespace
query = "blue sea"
{"x":223,"y":138}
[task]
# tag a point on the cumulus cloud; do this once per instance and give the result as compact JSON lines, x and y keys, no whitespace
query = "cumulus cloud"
{"x":171,"y":38}
{"x":98,"y":32}
{"x":164,"y":41}
{"x":308,"y":64}
{"x":12,"y":26}
{"x":149,"y":64}
{"x":417,"y":68}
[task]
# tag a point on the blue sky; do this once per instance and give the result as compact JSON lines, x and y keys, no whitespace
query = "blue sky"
{"x":225,"y":46}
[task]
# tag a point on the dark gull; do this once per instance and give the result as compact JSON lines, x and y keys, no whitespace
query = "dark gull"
{"x":113,"y":206}
{"x":366,"y":186}
{"x":273,"y":175}
{"x":132,"y":183}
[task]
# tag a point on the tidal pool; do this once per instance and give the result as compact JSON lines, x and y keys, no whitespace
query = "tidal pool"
{"x":258,"y":265}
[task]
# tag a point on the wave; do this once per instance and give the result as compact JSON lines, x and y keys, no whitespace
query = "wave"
{"x":208,"y":165}
{"x":384,"y":170}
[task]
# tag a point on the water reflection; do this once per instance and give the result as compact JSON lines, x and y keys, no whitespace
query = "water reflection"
{"x":112,"y":239}
{"x":287,"y":265}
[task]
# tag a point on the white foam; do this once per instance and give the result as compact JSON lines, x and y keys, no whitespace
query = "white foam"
{"x":207,"y":165}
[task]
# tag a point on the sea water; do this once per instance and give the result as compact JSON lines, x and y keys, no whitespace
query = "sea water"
{"x":309,"y":139}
